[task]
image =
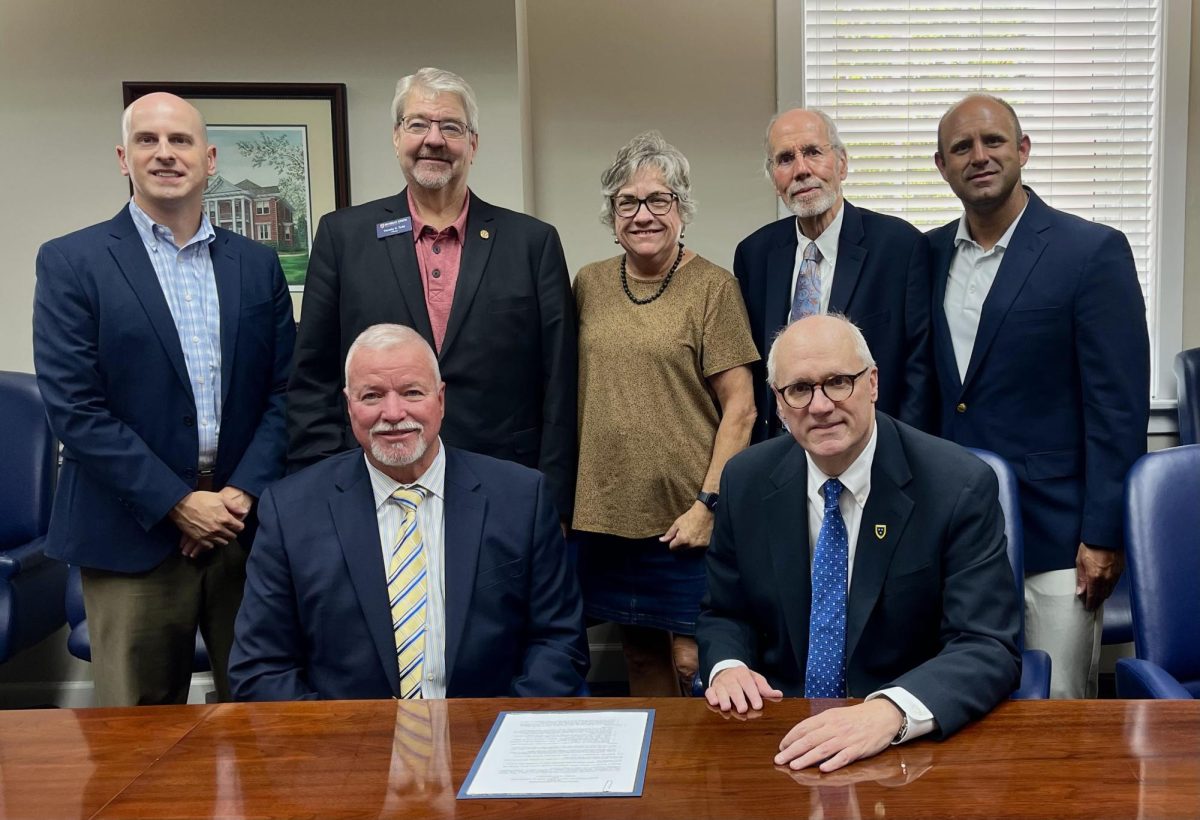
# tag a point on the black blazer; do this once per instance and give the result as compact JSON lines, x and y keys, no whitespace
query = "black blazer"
{"x":931,"y":604}
{"x":881,"y":282}
{"x":1059,"y":377}
{"x":510,"y":355}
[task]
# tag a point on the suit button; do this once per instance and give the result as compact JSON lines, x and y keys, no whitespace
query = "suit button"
{"x":962,"y":407}
{"x":188,"y":421}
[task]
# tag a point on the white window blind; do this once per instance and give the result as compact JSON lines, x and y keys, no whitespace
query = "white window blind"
{"x":1083,"y":76}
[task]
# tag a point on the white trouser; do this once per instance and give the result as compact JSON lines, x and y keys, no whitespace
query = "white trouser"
{"x":1056,"y":621}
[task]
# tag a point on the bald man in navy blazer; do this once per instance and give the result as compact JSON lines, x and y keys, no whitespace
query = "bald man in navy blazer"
{"x":874,"y":269}
{"x":1043,"y":357}
{"x":162,"y":346}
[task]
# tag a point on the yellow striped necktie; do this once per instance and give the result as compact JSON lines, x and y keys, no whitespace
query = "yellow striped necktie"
{"x":407,"y":592}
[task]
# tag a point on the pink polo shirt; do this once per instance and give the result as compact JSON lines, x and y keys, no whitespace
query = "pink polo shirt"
{"x":438,"y":256}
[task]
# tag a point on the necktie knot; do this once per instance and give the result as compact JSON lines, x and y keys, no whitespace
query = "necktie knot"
{"x":812,"y":253}
{"x":833,"y":490}
{"x":410,"y":497}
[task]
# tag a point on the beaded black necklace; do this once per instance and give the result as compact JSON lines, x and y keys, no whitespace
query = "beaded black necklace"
{"x":666,"y":280}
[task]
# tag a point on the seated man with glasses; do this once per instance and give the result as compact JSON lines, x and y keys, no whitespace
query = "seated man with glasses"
{"x":856,"y":557}
{"x":486,"y":287}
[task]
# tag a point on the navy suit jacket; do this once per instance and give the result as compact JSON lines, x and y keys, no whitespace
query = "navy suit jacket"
{"x":1059,"y":377}
{"x":510,"y":354}
{"x":881,"y":282}
{"x":315,"y":623}
{"x":931,"y":605}
{"x":111,"y":371}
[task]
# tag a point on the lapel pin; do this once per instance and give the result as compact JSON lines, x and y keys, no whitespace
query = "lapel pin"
{"x":484,"y":234}
{"x":881,"y":531}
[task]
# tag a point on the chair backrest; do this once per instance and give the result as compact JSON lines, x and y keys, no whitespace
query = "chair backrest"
{"x":1162,"y":545}
{"x":28,"y":453}
{"x":1013,"y":530}
{"x":1187,"y":377}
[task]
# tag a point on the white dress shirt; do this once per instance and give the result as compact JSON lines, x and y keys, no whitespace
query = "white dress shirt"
{"x":857,"y":481}
{"x":431,"y":516}
{"x":972,"y":272}
{"x":827,"y":244}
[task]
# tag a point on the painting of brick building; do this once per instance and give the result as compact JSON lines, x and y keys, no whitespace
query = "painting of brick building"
{"x":261,"y":190}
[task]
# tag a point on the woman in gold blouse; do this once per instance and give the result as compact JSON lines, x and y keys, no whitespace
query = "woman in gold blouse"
{"x":665,"y":399}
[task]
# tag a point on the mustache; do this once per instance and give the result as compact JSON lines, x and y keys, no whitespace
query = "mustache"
{"x":397,"y":427}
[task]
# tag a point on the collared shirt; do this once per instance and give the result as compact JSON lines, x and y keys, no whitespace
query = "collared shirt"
{"x":189,"y":284}
{"x":431,"y":515}
{"x":827,"y":244}
{"x":439,"y":254}
{"x":857,"y":480}
{"x":972,"y":272}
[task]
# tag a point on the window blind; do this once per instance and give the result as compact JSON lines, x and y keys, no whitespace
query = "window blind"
{"x":1083,"y":76}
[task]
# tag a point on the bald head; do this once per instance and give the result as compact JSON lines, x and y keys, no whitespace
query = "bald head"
{"x":823,"y":331}
{"x":974,"y":100}
{"x":161,"y":99}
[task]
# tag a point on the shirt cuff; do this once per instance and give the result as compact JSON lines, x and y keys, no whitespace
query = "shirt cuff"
{"x":721,"y":666}
{"x":920,"y":719}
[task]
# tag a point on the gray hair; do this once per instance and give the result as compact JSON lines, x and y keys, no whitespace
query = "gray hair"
{"x":831,"y":129}
{"x":860,"y":344}
{"x":1016,"y":121}
{"x":648,"y":149}
{"x":384,"y":336}
{"x":436,"y":81}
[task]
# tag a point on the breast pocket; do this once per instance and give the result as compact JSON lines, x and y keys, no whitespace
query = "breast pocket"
{"x":509,"y":571}
{"x":511,"y":303}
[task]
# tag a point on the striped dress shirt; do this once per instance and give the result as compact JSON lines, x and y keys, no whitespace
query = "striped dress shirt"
{"x":189,"y":284}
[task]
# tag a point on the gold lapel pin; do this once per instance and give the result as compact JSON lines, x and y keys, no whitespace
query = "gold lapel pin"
{"x":881,"y":531}
{"x":484,"y":234}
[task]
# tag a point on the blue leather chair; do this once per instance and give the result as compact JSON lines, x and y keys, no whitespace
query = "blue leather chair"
{"x":1035,"y":663}
{"x":1162,"y":550}
{"x":1187,"y":378}
{"x":31,"y":585}
{"x":79,"y":642}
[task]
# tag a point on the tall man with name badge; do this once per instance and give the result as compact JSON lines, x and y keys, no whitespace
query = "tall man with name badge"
{"x":486,"y":287}
{"x":1043,"y":357}
{"x":833,"y":256}
{"x":162,"y":345}
{"x":855,"y":557}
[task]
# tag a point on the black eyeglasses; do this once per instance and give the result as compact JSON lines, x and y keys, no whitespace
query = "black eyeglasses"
{"x":658,"y":204}
{"x":836,"y":388}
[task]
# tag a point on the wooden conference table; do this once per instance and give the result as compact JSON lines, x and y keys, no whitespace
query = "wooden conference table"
{"x":1030,"y":759}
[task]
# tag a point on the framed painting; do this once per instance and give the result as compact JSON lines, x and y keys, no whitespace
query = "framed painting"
{"x":282,"y":160}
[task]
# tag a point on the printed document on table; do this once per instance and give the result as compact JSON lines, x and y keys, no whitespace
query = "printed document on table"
{"x":576,"y":753}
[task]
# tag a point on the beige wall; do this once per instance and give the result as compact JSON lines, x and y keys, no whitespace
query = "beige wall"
{"x":600,"y":73}
{"x":62,"y":63}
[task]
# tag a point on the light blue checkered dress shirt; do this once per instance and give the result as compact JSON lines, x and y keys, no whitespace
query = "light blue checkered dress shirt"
{"x":190,"y":287}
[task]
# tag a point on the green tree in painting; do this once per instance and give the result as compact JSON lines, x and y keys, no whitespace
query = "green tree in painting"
{"x":289,"y":162}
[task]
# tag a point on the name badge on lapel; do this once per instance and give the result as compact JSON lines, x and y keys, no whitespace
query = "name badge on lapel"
{"x":386,"y":229}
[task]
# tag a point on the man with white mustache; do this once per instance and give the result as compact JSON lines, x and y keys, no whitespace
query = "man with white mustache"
{"x":407,"y":568}
{"x":486,"y":287}
{"x":833,"y":257}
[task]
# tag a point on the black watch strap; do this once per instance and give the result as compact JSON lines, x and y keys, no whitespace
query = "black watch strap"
{"x":708,"y":499}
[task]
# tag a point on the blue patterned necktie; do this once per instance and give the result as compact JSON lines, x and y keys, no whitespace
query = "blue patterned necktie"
{"x":807,"y":300}
{"x":825,"y":675}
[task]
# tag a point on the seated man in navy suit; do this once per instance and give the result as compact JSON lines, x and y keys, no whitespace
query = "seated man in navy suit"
{"x":855,"y":557}
{"x":407,"y":568}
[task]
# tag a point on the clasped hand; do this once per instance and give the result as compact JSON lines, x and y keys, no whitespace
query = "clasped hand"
{"x":207,"y":519}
